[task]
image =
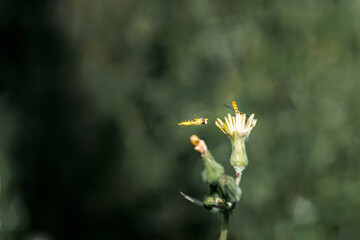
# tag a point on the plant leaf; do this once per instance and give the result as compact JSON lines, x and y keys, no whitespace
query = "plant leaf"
{"x":193,"y":200}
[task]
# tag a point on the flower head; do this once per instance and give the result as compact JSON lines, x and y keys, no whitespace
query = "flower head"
{"x":238,"y":130}
{"x":237,"y":127}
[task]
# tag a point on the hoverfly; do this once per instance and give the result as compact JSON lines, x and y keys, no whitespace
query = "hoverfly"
{"x":234,"y":108}
{"x":196,"y":121}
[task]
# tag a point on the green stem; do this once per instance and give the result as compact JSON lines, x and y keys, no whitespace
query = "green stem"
{"x":224,"y":226}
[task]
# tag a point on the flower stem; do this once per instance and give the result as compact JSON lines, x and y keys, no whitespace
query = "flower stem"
{"x":238,"y":178}
{"x":224,"y":226}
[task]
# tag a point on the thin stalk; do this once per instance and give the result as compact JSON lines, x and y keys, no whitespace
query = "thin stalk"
{"x":224,"y":226}
{"x":238,"y":178}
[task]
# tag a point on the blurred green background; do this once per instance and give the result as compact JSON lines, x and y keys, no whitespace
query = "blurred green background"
{"x":91,"y":93}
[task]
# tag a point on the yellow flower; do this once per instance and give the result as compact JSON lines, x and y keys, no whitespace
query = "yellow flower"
{"x":236,"y":127}
{"x":238,"y":130}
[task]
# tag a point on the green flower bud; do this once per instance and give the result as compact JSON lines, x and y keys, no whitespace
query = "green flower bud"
{"x":228,"y":189}
{"x":215,"y":203}
{"x":212,"y":169}
{"x":209,"y":201}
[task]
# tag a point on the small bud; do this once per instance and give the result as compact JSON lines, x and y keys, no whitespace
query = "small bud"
{"x":209,"y":201}
{"x":199,"y":144}
{"x":195,"y":140}
{"x":215,"y":203}
{"x":228,"y":188}
{"x":210,"y":204}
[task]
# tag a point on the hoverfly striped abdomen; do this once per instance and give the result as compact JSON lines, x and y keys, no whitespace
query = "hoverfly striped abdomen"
{"x":195,"y":121}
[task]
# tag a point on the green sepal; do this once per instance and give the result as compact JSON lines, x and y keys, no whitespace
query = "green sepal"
{"x":238,"y":154}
